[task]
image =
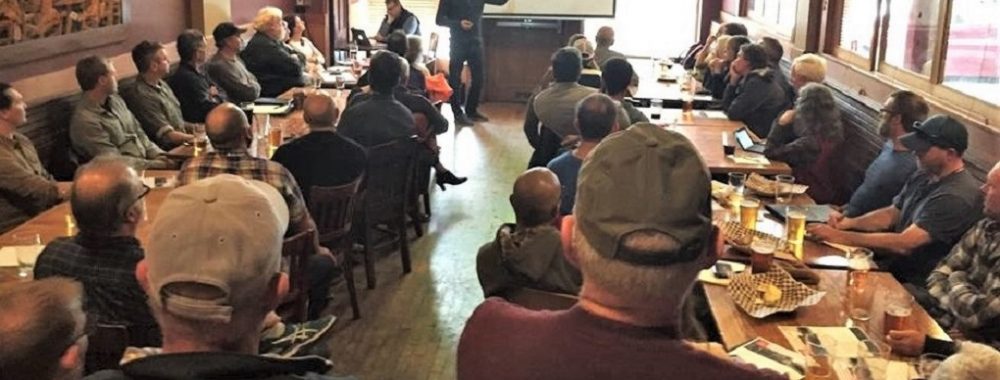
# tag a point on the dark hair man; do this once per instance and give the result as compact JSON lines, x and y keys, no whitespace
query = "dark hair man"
{"x":550,"y":116}
{"x":398,"y":19}
{"x":152,"y":101}
{"x":754,"y":94}
{"x":197,"y":93}
{"x":379,"y":118}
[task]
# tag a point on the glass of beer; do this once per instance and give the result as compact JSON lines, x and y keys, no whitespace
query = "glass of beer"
{"x":819,"y":363}
{"x":275,"y":135}
{"x":795,"y":224}
{"x":26,"y":251}
{"x":859,"y":291}
{"x":783,"y":188}
{"x":340,"y":82}
{"x":763,"y":255}
{"x":749,"y":208}
{"x":200,"y":139}
{"x":898,"y":307}
{"x":728,"y":148}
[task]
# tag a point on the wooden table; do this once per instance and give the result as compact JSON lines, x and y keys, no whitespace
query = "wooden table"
{"x":670,"y":92}
{"x":676,"y":116}
{"x":736,"y":327}
{"x":707,"y":138}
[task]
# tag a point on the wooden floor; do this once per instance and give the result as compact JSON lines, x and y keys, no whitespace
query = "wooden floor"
{"x":411,"y":324}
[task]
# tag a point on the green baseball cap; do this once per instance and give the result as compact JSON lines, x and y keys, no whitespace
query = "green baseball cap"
{"x":645,"y":178}
{"x":942,"y":131}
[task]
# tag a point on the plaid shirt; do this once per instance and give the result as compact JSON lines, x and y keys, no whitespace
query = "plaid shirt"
{"x":106,"y":268}
{"x":241,"y":164}
{"x":967,"y":282}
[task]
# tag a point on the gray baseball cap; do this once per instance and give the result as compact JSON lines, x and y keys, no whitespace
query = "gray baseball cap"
{"x":941,"y":131}
{"x":645,"y":178}
{"x":223,"y":233}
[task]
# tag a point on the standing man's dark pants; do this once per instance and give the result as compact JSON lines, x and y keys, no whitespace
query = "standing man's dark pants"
{"x":466,"y":51}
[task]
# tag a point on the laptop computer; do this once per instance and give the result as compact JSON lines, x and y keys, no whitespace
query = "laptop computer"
{"x":746,"y":141}
{"x":361,"y":38}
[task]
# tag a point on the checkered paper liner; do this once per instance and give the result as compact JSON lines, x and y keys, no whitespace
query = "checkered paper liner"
{"x":743,"y":290}
{"x":740,"y":238}
{"x":763,"y":186}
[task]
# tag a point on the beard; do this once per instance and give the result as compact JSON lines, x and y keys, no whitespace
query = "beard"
{"x":885,"y":129}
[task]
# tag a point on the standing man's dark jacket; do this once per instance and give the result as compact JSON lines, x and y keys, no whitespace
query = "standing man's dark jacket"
{"x":756,"y":100}
{"x":192,"y":89}
{"x":275,"y":65}
{"x":452,"y":12}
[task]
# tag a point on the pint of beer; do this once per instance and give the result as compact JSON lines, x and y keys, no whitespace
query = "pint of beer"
{"x":275,"y":136}
{"x":763,"y":255}
{"x":897,"y":312}
{"x":749,"y":208}
{"x":200,"y":144}
{"x":795,"y":225}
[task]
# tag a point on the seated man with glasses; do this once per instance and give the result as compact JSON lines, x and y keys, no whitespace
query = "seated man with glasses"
{"x":43,"y":330}
{"x":936,"y":206}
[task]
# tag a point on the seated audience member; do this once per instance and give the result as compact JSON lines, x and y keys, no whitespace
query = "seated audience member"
{"x":396,"y":43}
{"x":775,"y":52}
{"x":309,"y":157}
{"x":807,"y":68}
{"x":213,"y":274}
{"x":698,"y":53}
{"x":419,"y":72}
{"x":43,"y":330}
{"x":590,"y":71}
{"x":152,"y":101}
{"x":596,"y":117}
{"x":197,"y":92}
{"x":972,"y":362}
{"x":754,"y":94}
{"x":227,"y":68}
{"x":639,"y":261}
{"x":886,"y":175}
{"x":936,"y":206}
{"x":276,"y":66}
{"x":528,"y":254}
{"x":810,"y":142}
{"x":379,"y":118}
{"x":549,"y":119}
{"x":617,"y":77}
{"x":26,"y":188}
{"x":298,"y":41}
{"x":605,"y":39}
{"x":108,"y":208}
{"x":102,"y":124}
{"x":717,"y":78}
{"x":229,"y":132}
{"x":962,"y":291}
{"x":397,"y":19}
{"x":713,"y":73}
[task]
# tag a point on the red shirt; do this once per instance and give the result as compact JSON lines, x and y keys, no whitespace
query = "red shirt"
{"x":505,"y":341}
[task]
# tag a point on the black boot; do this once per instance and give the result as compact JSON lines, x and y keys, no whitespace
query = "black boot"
{"x":446,"y":177}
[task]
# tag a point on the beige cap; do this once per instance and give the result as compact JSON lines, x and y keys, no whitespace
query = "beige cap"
{"x":223,"y":232}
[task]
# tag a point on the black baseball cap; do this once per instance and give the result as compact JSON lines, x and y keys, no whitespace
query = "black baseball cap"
{"x":942,"y":131}
{"x":226,"y":30}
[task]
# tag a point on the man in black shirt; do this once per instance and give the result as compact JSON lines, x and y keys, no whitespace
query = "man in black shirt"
{"x":463,"y":18}
{"x":196,"y":92}
{"x":379,"y":118}
{"x":275,"y":65}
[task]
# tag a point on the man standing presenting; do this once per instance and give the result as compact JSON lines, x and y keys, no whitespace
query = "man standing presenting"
{"x":463,"y":18}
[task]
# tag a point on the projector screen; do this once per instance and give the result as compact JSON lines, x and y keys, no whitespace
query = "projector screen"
{"x":552,"y":8}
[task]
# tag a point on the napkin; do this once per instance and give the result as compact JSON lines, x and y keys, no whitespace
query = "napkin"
{"x":749,"y":159}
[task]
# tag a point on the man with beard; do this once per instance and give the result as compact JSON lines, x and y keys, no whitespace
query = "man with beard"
{"x":887,"y":174}
{"x":937,"y":205}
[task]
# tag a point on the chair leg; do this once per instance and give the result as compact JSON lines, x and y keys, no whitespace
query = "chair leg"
{"x":418,"y":228}
{"x":404,"y":245}
{"x":369,"y":261}
{"x":427,"y":202}
{"x":348,"y":270}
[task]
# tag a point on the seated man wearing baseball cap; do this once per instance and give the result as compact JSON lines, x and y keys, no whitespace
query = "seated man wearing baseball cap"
{"x":227,"y":68}
{"x":639,"y":256}
{"x":938,"y":203}
{"x":212,"y":273}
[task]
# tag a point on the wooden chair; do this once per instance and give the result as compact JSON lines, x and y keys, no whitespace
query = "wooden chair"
{"x":332,"y":208}
{"x":107,"y":344}
{"x":295,"y":253}
{"x":422,"y":174}
{"x":386,"y":199}
{"x":535,"y":299}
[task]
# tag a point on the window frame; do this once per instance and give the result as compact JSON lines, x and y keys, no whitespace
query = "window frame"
{"x":768,"y":25}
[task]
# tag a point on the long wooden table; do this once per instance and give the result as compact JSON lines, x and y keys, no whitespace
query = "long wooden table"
{"x":736,"y":327}
{"x":670,"y":92}
{"x":707,"y":137}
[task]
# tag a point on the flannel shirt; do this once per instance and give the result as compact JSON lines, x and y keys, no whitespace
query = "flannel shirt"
{"x":239,"y":162}
{"x":25,"y":187}
{"x":106,"y":268}
{"x":967,"y":283}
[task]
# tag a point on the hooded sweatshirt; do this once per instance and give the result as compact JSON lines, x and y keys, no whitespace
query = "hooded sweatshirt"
{"x":526,"y":257}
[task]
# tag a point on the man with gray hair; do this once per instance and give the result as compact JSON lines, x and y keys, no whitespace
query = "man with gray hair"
{"x":212,"y":274}
{"x":43,"y":330}
{"x":275,"y":65}
{"x":639,"y":257}
{"x":605,"y":39}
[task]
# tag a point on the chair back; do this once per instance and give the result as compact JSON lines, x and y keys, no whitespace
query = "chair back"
{"x":535,"y":299}
{"x":106,"y":346}
{"x":332,"y":208}
{"x":390,"y":174}
{"x":295,"y":253}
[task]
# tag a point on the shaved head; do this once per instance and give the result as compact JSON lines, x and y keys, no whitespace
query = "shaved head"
{"x":227,"y":126}
{"x":605,"y":36}
{"x":319,"y":110}
{"x":103,"y":192}
{"x":536,"y":197}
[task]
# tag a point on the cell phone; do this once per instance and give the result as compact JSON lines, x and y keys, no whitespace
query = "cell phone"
{"x":723,"y":270}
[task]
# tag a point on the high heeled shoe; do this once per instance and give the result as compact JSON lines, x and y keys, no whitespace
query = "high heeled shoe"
{"x":448,"y":178}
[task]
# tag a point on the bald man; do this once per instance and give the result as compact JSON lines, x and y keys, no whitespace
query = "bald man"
{"x":605,"y":38}
{"x":322,"y":157}
{"x":106,"y":199}
{"x":528,"y":254}
{"x":228,"y":130}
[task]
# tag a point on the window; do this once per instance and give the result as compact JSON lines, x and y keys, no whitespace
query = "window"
{"x":779,"y":14}
{"x":972,"y":65}
{"x":912,"y":35}
{"x":633,"y":18}
{"x":857,"y":38}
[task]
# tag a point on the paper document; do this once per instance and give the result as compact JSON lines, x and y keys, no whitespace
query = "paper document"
{"x":763,"y":354}
{"x":271,"y":109}
{"x":8,"y":255}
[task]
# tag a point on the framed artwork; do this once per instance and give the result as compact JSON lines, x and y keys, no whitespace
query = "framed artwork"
{"x":36,"y":29}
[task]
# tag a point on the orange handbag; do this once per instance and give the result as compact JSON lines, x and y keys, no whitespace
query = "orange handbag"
{"x":438,"y":89}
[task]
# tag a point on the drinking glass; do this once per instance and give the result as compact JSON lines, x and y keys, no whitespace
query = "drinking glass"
{"x":749,"y":208}
{"x":928,"y":364}
{"x":340,"y":82}
{"x":200,"y":139}
{"x":728,"y":148}
{"x":763,"y":255}
{"x":353,"y":47}
{"x":795,"y":224}
{"x":656,"y":108}
{"x":783,"y":188}
{"x":898,"y":308}
{"x":26,"y":249}
{"x":737,"y":180}
{"x":818,"y":362}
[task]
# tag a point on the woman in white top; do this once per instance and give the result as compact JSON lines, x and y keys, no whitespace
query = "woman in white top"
{"x":300,"y":43}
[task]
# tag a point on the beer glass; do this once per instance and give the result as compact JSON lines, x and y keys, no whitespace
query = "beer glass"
{"x":783,"y":188}
{"x":762,"y":256}
{"x":728,"y":148}
{"x":26,"y":249}
{"x":818,"y":362}
{"x":200,"y":139}
{"x":795,"y":224}
{"x":898,"y":308}
{"x":859,"y":291}
{"x":340,"y":82}
{"x":749,"y":208}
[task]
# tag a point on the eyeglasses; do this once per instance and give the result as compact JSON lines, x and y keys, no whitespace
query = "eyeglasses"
{"x":89,"y":328}
{"x":145,"y":191}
